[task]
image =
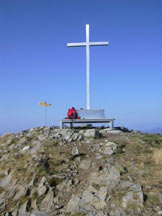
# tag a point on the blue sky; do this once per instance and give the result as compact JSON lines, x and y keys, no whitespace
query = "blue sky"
{"x":36,"y":65}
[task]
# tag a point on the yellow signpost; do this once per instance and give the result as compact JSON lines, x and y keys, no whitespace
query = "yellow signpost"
{"x":45,"y":111}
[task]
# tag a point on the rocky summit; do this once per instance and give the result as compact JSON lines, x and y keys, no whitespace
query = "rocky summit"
{"x":47,"y":171}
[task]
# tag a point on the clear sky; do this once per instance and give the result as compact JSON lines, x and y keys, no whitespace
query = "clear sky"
{"x":36,"y":65}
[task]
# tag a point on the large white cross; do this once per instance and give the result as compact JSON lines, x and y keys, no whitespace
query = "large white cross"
{"x":87,"y":44}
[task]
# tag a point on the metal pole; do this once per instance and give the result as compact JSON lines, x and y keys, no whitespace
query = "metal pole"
{"x":45,"y":116}
{"x":88,"y":66}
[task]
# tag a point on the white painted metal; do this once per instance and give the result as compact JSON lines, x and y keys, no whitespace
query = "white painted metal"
{"x":87,"y":121}
{"x":99,"y":43}
{"x":76,"y":44}
{"x":88,"y":67}
{"x":91,"y":114}
{"x":87,"y":44}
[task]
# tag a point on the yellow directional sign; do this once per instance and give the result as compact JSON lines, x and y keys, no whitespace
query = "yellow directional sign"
{"x":48,"y":104}
{"x":45,"y":104}
{"x":42,"y":103}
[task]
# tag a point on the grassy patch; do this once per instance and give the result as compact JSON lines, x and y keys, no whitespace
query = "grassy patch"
{"x":152,"y":200}
{"x":153,"y":140}
{"x":75,"y":214}
{"x":157,"y":156}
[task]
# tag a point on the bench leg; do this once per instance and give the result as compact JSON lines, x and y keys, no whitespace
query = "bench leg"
{"x":71,"y":125}
{"x":112,"y":124}
{"x":61,"y":125}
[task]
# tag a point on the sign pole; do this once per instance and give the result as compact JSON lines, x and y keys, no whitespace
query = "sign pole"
{"x":45,"y":111}
{"x":45,"y":115}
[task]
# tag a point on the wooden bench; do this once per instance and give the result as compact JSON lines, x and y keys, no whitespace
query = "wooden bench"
{"x":85,"y":121}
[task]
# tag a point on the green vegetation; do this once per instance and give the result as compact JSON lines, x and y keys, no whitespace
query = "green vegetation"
{"x":153,"y":140}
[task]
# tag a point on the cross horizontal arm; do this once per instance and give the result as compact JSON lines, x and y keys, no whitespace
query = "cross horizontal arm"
{"x":105,"y":43}
{"x":76,"y":44}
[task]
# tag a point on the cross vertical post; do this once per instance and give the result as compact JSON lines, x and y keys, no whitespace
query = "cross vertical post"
{"x":87,"y":44}
{"x":88,"y":67}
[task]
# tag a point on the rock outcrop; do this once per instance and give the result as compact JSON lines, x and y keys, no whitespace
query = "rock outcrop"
{"x":96,"y":172}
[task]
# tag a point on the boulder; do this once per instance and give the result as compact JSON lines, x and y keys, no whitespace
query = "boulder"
{"x":75,"y":151}
{"x":109,"y":176}
{"x":42,"y":187}
{"x":85,"y":164}
{"x":5,"y":181}
{"x":22,"y":141}
{"x":92,"y":199}
{"x":95,"y":196}
{"x":134,"y":194}
{"x":118,"y":212}
{"x":73,"y":204}
{"x":48,"y":202}
{"x":23,"y":209}
{"x":37,"y":145}
{"x":110,"y":148}
{"x":21,"y":191}
{"x":90,"y":133}
{"x":110,"y":131}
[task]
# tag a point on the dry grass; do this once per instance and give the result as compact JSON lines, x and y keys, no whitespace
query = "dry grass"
{"x":157,"y":156}
{"x":4,"y":138}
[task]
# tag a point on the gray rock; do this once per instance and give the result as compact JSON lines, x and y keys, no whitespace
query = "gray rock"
{"x":34,"y":205}
{"x":42,"y":137}
{"x":85,"y":164}
{"x":110,"y":148}
{"x":22,"y":141}
{"x":90,"y":133}
{"x":95,"y":196}
{"x":65,"y":135}
{"x":42,"y":187}
{"x":46,"y":131}
{"x":15,"y":212}
{"x":2,"y":197}
{"x":23,"y":214}
{"x":117,"y":212}
{"x":11,"y":147}
{"x":42,"y":181}
{"x":36,"y":147}
{"x":42,"y":190}
{"x":75,"y":137}
{"x":33,"y":180}
{"x":21,"y":191}
{"x":75,"y":151}
{"x":110,"y":131}
{"x":97,"y":213}
{"x":11,"y":191}
{"x":48,"y":202}
{"x":91,"y":200}
{"x":72,"y":205}
{"x":4,"y":158}
{"x":23,"y":208}
{"x":109,"y":176}
{"x":160,"y":197}
{"x":5,"y":181}
{"x":99,"y":156}
{"x":134,"y":194}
